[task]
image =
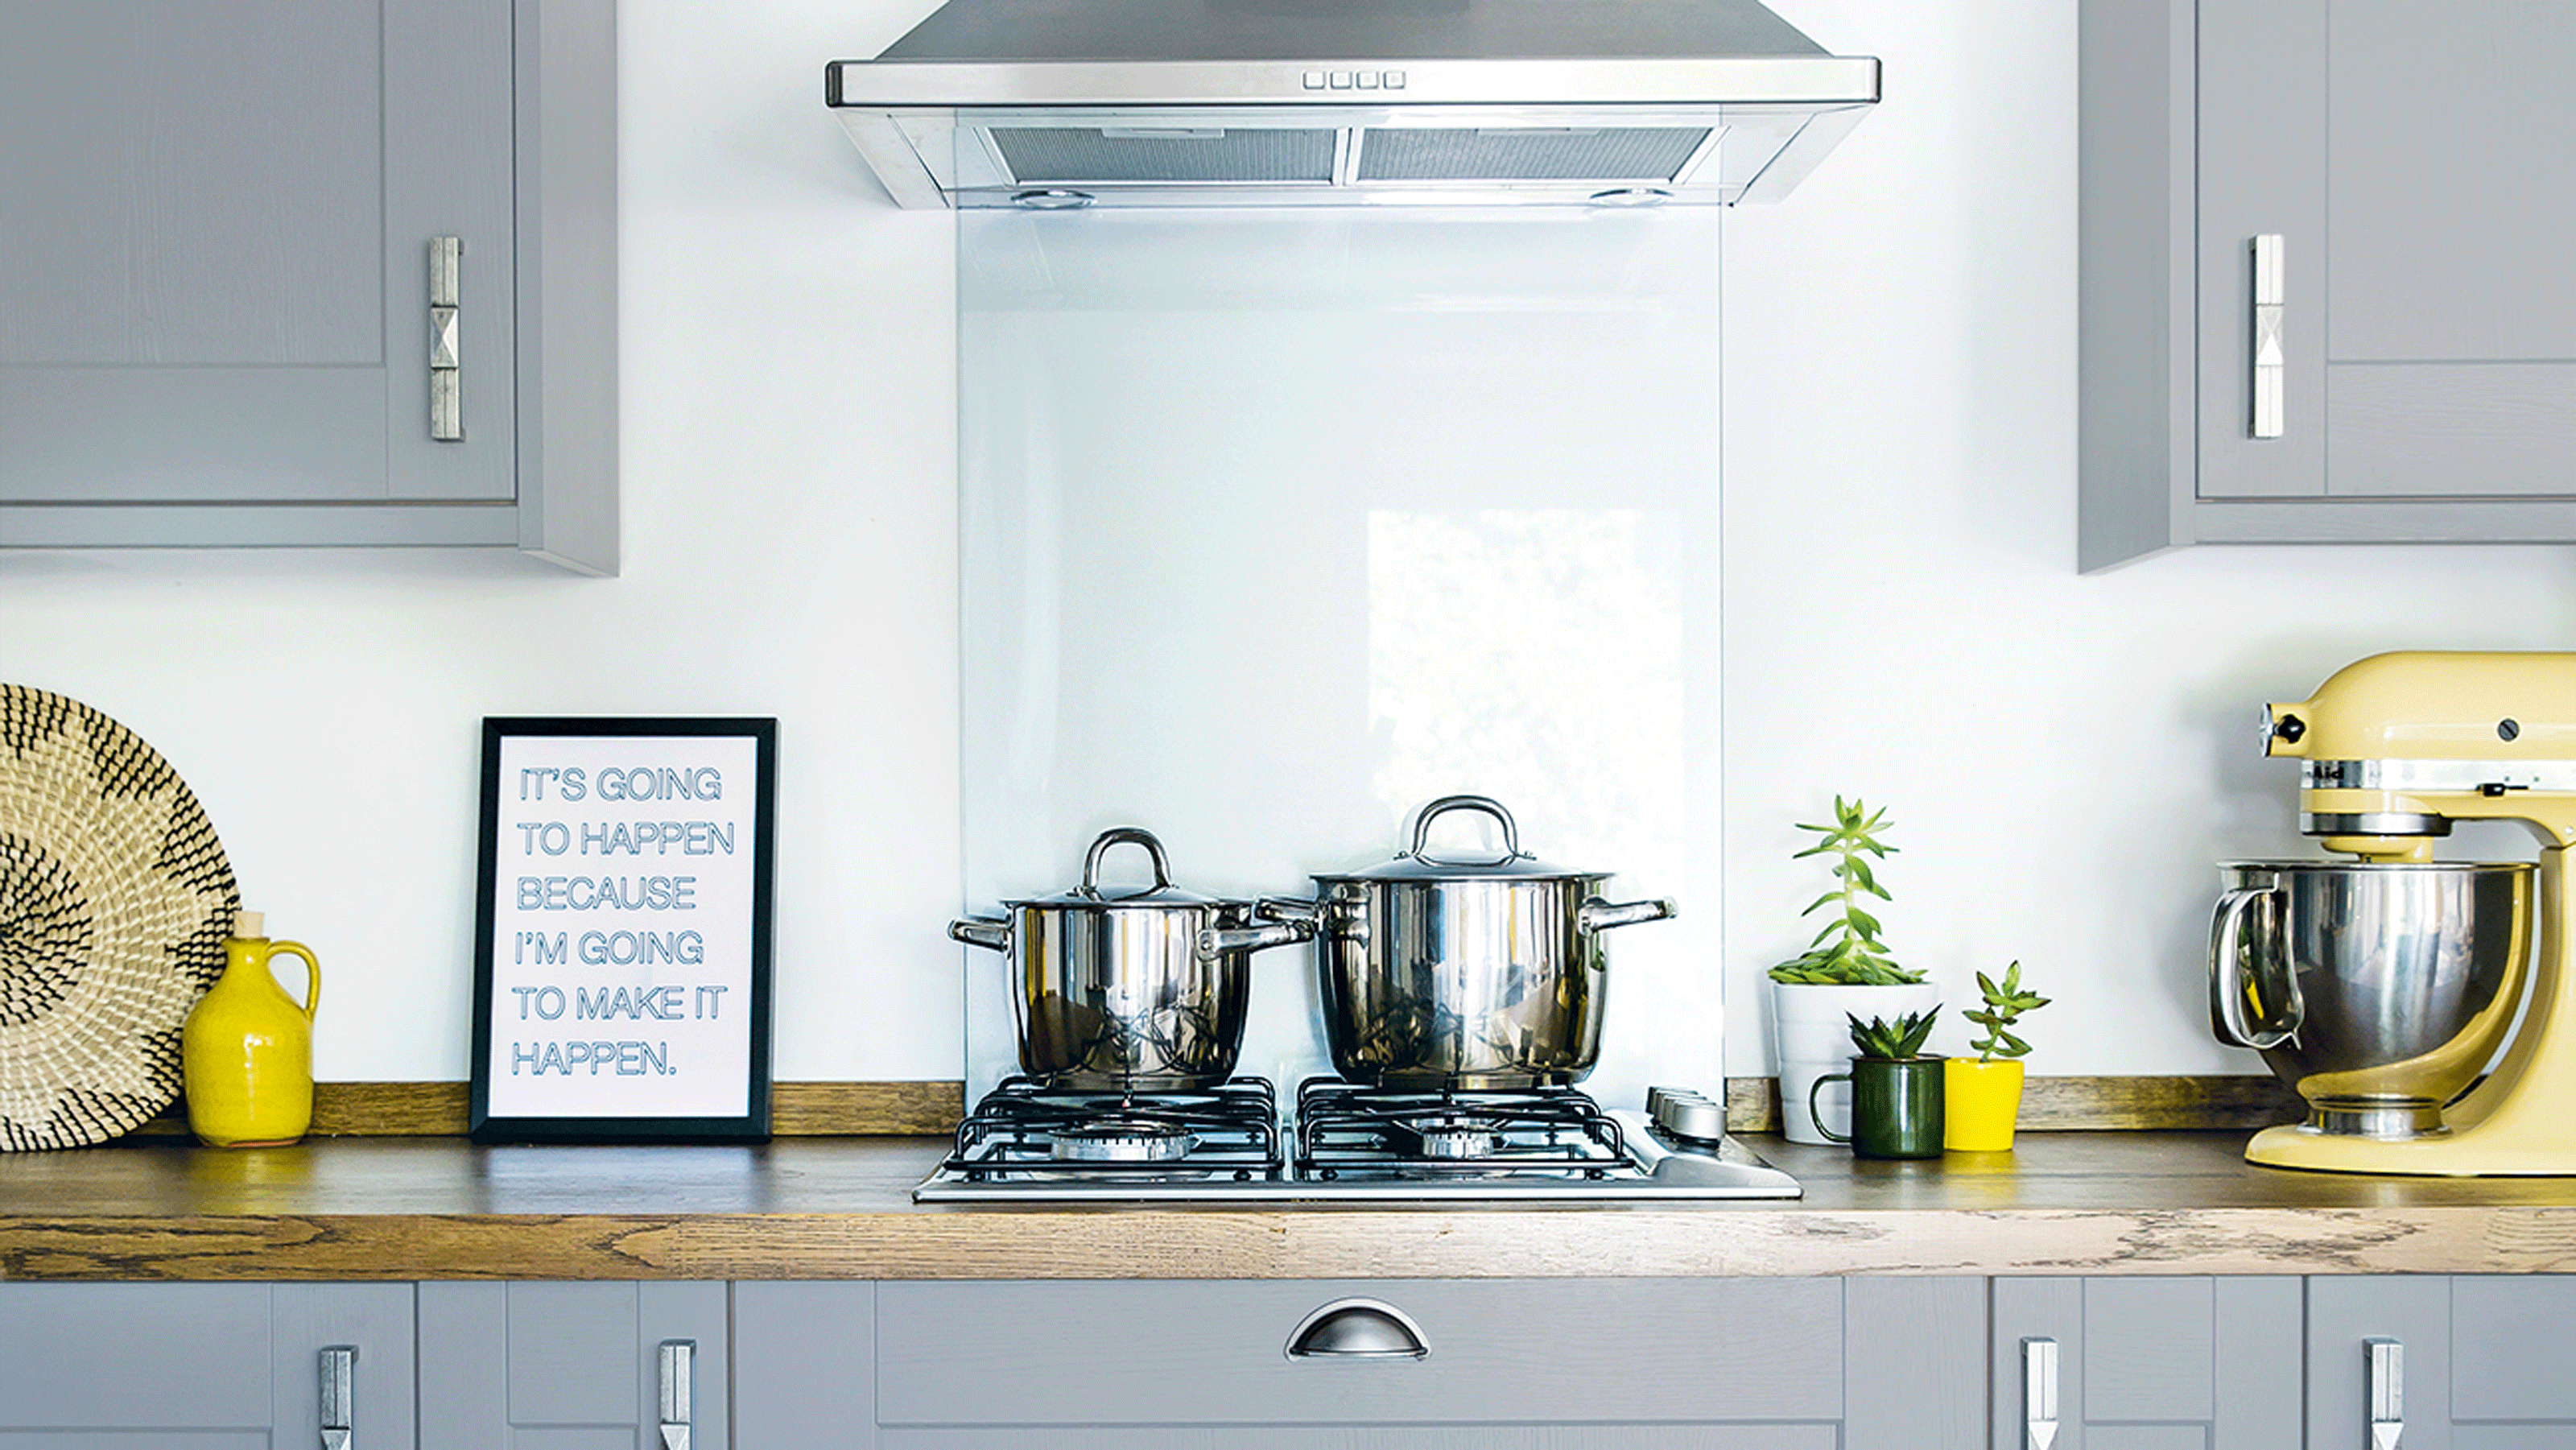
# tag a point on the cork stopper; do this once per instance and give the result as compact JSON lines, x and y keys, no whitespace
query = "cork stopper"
{"x":249,"y":924}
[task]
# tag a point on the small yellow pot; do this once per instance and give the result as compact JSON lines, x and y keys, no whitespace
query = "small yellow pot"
{"x":1983,"y":1099}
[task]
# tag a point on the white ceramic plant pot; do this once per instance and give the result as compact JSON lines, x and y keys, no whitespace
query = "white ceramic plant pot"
{"x":1811,"y":1030}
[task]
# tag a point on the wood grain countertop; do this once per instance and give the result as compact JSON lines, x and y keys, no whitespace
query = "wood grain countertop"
{"x":840,"y":1208}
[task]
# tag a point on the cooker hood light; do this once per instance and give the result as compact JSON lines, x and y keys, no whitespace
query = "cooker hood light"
{"x":1211,"y":103}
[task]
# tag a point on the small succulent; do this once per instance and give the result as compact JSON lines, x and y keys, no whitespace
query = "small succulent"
{"x":2004,"y":1006}
{"x":1899,"y":1042}
{"x":1847,"y":952}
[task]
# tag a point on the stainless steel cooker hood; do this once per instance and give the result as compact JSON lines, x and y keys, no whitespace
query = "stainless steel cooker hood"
{"x":1198,"y":103}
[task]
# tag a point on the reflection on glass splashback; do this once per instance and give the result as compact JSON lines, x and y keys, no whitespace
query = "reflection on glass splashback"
{"x":1277,"y":525}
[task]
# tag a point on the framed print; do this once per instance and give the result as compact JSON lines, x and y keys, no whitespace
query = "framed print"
{"x":622,"y":931}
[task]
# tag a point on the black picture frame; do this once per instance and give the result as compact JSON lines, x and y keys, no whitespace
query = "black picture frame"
{"x":599,"y":930}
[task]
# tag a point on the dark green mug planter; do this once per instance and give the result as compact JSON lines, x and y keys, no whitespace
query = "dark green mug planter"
{"x":1896,"y":1107}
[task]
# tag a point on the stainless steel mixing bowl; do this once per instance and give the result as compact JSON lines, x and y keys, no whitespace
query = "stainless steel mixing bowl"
{"x":2379,"y":992}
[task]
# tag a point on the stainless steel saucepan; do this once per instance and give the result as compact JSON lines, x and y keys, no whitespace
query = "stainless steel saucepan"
{"x":1440,"y":972}
{"x":1128,"y":988}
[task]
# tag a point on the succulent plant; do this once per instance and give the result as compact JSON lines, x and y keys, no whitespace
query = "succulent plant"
{"x":1896,"y":1042}
{"x":2004,"y":1006}
{"x":1847,"y":951}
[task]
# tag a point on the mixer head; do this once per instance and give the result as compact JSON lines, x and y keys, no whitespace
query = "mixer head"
{"x":2397,"y":746}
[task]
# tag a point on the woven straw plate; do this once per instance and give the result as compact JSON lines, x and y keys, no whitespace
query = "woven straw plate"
{"x":115,"y":899}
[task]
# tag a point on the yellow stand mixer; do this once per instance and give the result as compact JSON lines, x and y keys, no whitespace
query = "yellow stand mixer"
{"x":2381,"y":986}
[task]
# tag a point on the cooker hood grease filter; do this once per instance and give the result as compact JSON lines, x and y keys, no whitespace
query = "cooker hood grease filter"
{"x":1206,"y":103}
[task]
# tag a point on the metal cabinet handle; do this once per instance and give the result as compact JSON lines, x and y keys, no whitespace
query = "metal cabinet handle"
{"x":339,"y":1396}
{"x":446,"y":403}
{"x":679,"y":1391}
{"x":1357,"y":1329}
{"x":2038,"y":1393}
{"x":2270,"y":372}
{"x":2383,"y":1376}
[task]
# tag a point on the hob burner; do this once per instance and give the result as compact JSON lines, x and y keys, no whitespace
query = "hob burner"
{"x":1122,"y":1140}
{"x":1448,"y":1136}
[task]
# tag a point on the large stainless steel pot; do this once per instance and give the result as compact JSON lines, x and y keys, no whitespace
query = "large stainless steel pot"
{"x":2378,"y":991}
{"x":1141,"y":988}
{"x":1445,"y":973}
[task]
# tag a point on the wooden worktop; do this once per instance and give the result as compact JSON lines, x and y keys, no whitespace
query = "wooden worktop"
{"x":440,"y":1208}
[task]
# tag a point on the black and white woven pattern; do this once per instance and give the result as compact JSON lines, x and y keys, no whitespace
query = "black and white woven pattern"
{"x":115,"y":899}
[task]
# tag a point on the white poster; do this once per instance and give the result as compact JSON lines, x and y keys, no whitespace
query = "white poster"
{"x":626,"y":927}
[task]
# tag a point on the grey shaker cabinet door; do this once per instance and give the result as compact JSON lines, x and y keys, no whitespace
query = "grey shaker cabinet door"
{"x":215,"y":310}
{"x":2417,"y":161}
{"x":199,"y":1366}
{"x":2149,"y":1363}
{"x":2482,"y":1361}
{"x":569,"y":1366}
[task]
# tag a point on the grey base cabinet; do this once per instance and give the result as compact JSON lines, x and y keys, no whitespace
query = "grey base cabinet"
{"x":227,"y":314}
{"x":550,"y":1366}
{"x":2324,"y":292}
{"x":2468,"y":1363}
{"x":200,"y":1366}
{"x":2147,"y":1364}
{"x":1746,"y":1364}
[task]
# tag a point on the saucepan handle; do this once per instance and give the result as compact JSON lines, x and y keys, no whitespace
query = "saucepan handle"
{"x":1288,"y":908}
{"x":2227,"y":981}
{"x":1448,"y":803}
{"x":977,"y":931}
{"x":1217,"y":942}
{"x":1129,"y":835}
{"x":1599,"y":915}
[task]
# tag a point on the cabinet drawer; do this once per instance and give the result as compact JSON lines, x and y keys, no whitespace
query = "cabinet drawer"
{"x":1539,"y":1351}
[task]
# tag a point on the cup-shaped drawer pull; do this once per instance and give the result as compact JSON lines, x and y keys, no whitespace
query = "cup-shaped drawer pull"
{"x":1358,"y":1329}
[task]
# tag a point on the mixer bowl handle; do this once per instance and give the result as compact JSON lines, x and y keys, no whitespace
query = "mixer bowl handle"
{"x":2227,"y":979}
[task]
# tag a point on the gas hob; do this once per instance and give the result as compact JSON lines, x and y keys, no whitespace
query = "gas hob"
{"x":1341,"y":1142}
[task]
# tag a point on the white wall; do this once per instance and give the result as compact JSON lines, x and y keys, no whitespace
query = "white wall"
{"x":2066,"y":756}
{"x":788,"y":390}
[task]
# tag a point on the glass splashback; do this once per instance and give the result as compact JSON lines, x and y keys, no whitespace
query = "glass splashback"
{"x":1277,"y":525}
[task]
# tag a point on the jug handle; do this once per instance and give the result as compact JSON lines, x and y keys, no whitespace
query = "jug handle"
{"x":312,"y":973}
{"x":2227,"y":984}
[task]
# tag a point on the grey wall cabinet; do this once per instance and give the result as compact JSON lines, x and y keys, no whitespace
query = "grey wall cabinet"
{"x":2147,"y":1364}
{"x":200,"y":1366}
{"x":2414,"y":163}
{"x":580,"y":1366}
{"x":218,"y":323}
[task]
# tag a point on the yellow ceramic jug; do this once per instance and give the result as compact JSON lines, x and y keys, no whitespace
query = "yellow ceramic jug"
{"x":246,"y":1054}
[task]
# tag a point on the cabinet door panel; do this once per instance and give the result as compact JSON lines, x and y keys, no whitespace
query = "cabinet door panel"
{"x":223,"y":297}
{"x":2509,"y":1338}
{"x":210,"y":171}
{"x":2452,"y":133}
{"x":804,"y":1359}
{"x":572,"y":1354}
{"x":135,"y":1356}
{"x":2453,"y":429}
{"x":2148,"y":1346}
{"x":2262,"y":170}
{"x":2346,"y":1311}
{"x":2145,"y":1437}
{"x":1914,"y":1359}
